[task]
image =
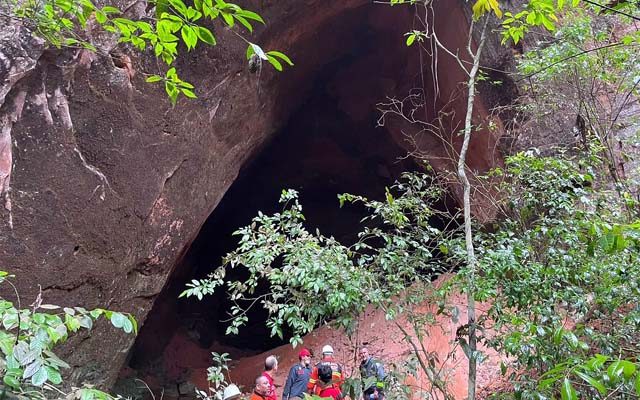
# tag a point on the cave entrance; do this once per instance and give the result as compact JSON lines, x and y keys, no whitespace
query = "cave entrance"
{"x":321,"y":152}
{"x":328,"y":144}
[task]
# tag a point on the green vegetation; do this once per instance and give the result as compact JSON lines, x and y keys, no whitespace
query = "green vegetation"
{"x":67,"y":23}
{"x":28,"y":337}
{"x":558,"y":267}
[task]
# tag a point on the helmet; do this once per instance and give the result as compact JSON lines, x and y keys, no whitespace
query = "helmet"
{"x":303,"y":353}
{"x":326,"y":349}
{"x":231,"y":392}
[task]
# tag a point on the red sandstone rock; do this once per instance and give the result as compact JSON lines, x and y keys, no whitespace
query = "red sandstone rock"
{"x":110,"y":184}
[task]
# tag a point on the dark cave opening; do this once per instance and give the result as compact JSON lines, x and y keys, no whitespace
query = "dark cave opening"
{"x":330,"y":144}
{"x":321,"y":152}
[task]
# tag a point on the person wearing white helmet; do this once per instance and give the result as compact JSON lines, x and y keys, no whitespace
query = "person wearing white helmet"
{"x":314,"y":385}
{"x":231,"y":392}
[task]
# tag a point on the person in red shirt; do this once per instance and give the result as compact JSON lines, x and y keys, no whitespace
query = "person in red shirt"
{"x":261,"y":389}
{"x":313,"y":387}
{"x":328,"y":389}
{"x":270,"y":368}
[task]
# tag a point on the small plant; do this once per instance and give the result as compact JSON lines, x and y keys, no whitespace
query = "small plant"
{"x":218,"y":376}
{"x":28,"y":364}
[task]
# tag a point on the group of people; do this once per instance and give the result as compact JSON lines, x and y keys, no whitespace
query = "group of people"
{"x":325,"y":379}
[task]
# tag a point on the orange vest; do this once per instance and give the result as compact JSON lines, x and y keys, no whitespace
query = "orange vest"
{"x":313,"y":387}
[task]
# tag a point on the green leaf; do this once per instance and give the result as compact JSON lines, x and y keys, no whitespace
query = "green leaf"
{"x":32,"y":369}
{"x":627,"y":40}
{"x":496,"y":8}
{"x":189,"y":37}
{"x":531,"y":18}
{"x":11,"y":381}
{"x":615,"y":370}
{"x":134,"y":323}
{"x":596,"y":362}
{"x":12,"y":363}
{"x":206,"y":36}
{"x":10,"y":320}
{"x":21,"y":353}
{"x":119,"y":320}
{"x":193,"y":14}
{"x":100,"y":17}
{"x":567,"y":392}
{"x":86,"y":394}
{"x":40,"y":377}
{"x":162,"y":6}
{"x":547,"y":23}
{"x":153,"y":78}
{"x":480,"y":7}
{"x":280,"y":55}
{"x":54,"y":376}
{"x":189,"y":93}
{"x":572,"y":338}
{"x":276,"y":64}
{"x":54,"y":360}
{"x":86,"y":322}
{"x":179,"y":6}
{"x":228,"y":18}
{"x":593,"y":382}
{"x":251,"y":15}
{"x":127,"y":326}
{"x":244,"y":23}
{"x":158,"y":49}
{"x":72,"y":323}
{"x":172,"y":93}
{"x":410,"y":39}
{"x":110,"y":10}
{"x":628,"y":368}
{"x":6,"y":343}
{"x":144,"y":26}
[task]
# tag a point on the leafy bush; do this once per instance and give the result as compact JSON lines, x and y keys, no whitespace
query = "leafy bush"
{"x":28,"y":337}
{"x":560,"y":273}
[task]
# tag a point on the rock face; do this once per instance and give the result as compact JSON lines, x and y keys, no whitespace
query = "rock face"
{"x":104,"y":185}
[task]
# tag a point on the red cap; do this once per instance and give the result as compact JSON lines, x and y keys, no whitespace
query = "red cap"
{"x":303,"y":353}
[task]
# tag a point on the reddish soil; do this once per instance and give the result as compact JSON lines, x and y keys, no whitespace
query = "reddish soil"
{"x":185,"y":359}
